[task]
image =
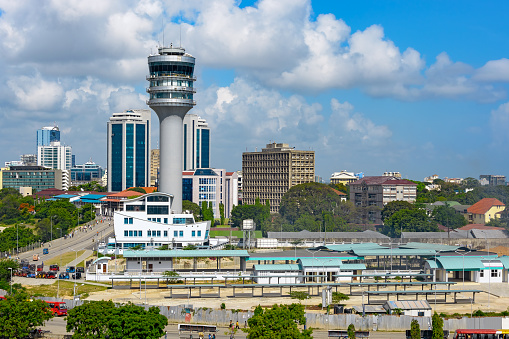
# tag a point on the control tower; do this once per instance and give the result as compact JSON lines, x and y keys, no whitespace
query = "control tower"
{"x":171,"y":97}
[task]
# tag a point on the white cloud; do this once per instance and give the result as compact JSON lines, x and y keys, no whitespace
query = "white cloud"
{"x":494,"y":71}
{"x":35,"y":93}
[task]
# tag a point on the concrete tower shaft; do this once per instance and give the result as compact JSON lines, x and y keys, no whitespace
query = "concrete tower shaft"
{"x":171,"y":97}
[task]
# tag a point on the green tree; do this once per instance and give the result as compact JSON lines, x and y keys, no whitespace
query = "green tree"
{"x":437,"y":324}
{"x":258,"y":212}
{"x":447,"y":216}
{"x":206,"y":213}
{"x":138,"y":189}
{"x":395,"y":206}
{"x":191,"y":207}
{"x":278,"y":322}
{"x":19,"y":315}
{"x":338,"y":297}
{"x":221,"y":211}
{"x":300,"y":295}
{"x":415,"y":330}
{"x":351,"y":331}
{"x":409,"y":220}
{"x":13,"y":236}
{"x":99,"y":319}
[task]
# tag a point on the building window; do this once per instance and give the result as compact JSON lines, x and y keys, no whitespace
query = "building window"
{"x":199,"y":233}
{"x":181,"y":233}
{"x":481,"y":274}
{"x":126,"y":220}
{"x":139,"y":234}
{"x":165,"y":233}
{"x":494,"y":273}
{"x":149,"y":233}
{"x":130,"y":233}
{"x":157,"y":209}
{"x":158,"y":219}
{"x":165,"y":220}
{"x":126,"y":233}
{"x":135,"y":233}
{"x":158,"y":233}
{"x":130,"y":221}
{"x":193,"y":233}
{"x":157,"y":198}
{"x":175,"y":234}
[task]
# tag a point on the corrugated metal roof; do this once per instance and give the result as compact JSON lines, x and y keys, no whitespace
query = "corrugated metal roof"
{"x":394,"y":252}
{"x":436,"y":247}
{"x":350,"y":247}
{"x":455,"y":234}
{"x":319,"y":262}
{"x":490,"y":234}
{"x":368,"y":234}
{"x":459,"y":263}
{"x":432,"y":264}
{"x":505,"y":261}
{"x":279,"y":267}
{"x":352,"y":267}
{"x":184,"y":254}
{"x":408,"y":305}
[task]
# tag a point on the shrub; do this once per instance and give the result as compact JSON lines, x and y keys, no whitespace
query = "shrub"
{"x":223,"y":306}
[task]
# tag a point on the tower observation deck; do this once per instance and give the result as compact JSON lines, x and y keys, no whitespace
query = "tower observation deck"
{"x":171,"y":97}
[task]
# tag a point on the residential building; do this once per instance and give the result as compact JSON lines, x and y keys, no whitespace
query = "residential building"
{"x":14,"y":163}
{"x":239,"y":186}
{"x":343,"y":177}
{"x":492,"y":180}
{"x":485,"y":209}
{"x":47,"y":135}
{"x":55,"y":155}
{"x":392,"y":174}
{"x":148,"y":221}
{"x":213,"y":186}
{"x":129,"y":149}
{"x":154,"y":167}
{"x":37,"y":177}
{"x":1,"y":175}
{"x":87,"y":172}
{"x":269,"y":174}
{"x":379,"y":190}
{"x":431,"y":178}
{"x":196,"y":143}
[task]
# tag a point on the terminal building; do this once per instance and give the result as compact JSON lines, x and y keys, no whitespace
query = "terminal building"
{"x":149,"y":222}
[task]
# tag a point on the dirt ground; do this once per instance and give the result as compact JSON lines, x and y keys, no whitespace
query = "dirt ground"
{"x":496,"y":300}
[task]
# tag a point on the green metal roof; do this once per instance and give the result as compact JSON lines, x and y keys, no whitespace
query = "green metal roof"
{"x":352,"y":267}
{"x":350,"y":247}
{"x":436,"y":247}
{"x":432,"y":264}
{"x":185,"y":254}
{"x":319,"y":262}
{"x":505,"y":261}
{"x":276,"y":267}
{"x":460,"y":263}
{"x":395,"y":252}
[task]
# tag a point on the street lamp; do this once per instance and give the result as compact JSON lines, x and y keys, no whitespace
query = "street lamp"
{"x":60,"y":264}
{"x":52,"y":227}
{"x":435,"y":278}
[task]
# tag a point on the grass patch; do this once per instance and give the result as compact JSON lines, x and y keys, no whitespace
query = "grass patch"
{"x":238,"y":234}
{"x":66,"y":289}
{"x":65,"y":259}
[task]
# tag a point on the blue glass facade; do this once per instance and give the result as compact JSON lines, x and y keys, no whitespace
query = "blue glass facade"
{"x":46,"y":136}
{"x":187,"y":189}
{"x":116,"y":157}
{"x":205,"y":148}
{"x":140,"y":156}
{"x":129,"y":155}
{"x":185,"y":147}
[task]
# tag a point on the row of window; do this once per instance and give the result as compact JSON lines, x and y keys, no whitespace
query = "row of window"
{"x":171,"y":95}
{"x":171,"y":82}
{"x":207,"y":181}
{"x":176,"y":234}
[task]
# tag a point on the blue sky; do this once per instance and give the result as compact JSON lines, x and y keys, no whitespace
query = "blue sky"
{"x":372,"y":86}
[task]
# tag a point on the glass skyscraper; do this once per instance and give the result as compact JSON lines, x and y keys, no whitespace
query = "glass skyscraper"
{"x":47,"y":135}
{"x":196,"y":143}
{"x":129,"y":150}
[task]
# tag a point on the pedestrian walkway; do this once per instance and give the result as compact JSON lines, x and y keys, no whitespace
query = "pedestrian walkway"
{"x":84,"y":256}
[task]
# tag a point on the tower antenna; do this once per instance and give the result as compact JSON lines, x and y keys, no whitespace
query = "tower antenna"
{"x":180,"y":32}
{"x":162,"y":24}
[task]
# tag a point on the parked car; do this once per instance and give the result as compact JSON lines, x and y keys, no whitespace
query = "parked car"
{"x":70,"y":269}
{"x":51,"y":275}
{"x":40,"y":268}
{"x":63,"y":275}
{"x":76,"y":275}
{"x":35,"y":257}
{"x":41,"y":274}
{"x":54,"y":268}
{"x":31,"y":275}
{"x":45,"y":251}
{"x":80,"y":269}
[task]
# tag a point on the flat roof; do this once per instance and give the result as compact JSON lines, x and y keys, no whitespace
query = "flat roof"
{"x":300,"y":253}
{"x":185,"y":253}
{"x":395,"y":252}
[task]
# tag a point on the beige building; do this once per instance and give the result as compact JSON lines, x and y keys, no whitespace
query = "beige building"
{"x":268,"y":174}
{"x":484,"y":210}
{"x":154,"y":166}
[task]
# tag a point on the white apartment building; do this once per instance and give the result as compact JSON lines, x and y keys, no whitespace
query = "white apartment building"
{"x":55,"y":156}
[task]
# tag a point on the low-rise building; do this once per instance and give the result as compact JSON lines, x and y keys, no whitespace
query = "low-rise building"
{"x":486,"y":209}
{"x":37,"y":177}
{"x":343,"y":177}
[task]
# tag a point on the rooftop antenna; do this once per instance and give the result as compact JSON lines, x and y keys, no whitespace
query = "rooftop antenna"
{"x":162,"y":24}
{"x":180,"y":32}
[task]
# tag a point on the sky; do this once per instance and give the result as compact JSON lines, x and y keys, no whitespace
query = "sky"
{"x":418,"y":87}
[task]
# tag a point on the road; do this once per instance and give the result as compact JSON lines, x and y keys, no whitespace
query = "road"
{"x":56,"y":326}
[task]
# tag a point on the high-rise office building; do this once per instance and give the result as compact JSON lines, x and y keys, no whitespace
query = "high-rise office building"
{"x":129,"y":150}
{"x":196,"y":143}
{"x":47,"y":135}
{"x":171,"y":97}
{"x":87,"y":172}
{"x":29,"y":159}
{"x":154,"y":167}
{"x":55,"y":155}
{"x":268,"y":174}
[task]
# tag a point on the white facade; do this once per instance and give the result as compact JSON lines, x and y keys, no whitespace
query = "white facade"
{"x":196,"y":143}
{"x":148,"y":221}
{"x":492,"y":274}
{"x":342,"y":177}
{"x":55,"y":156}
